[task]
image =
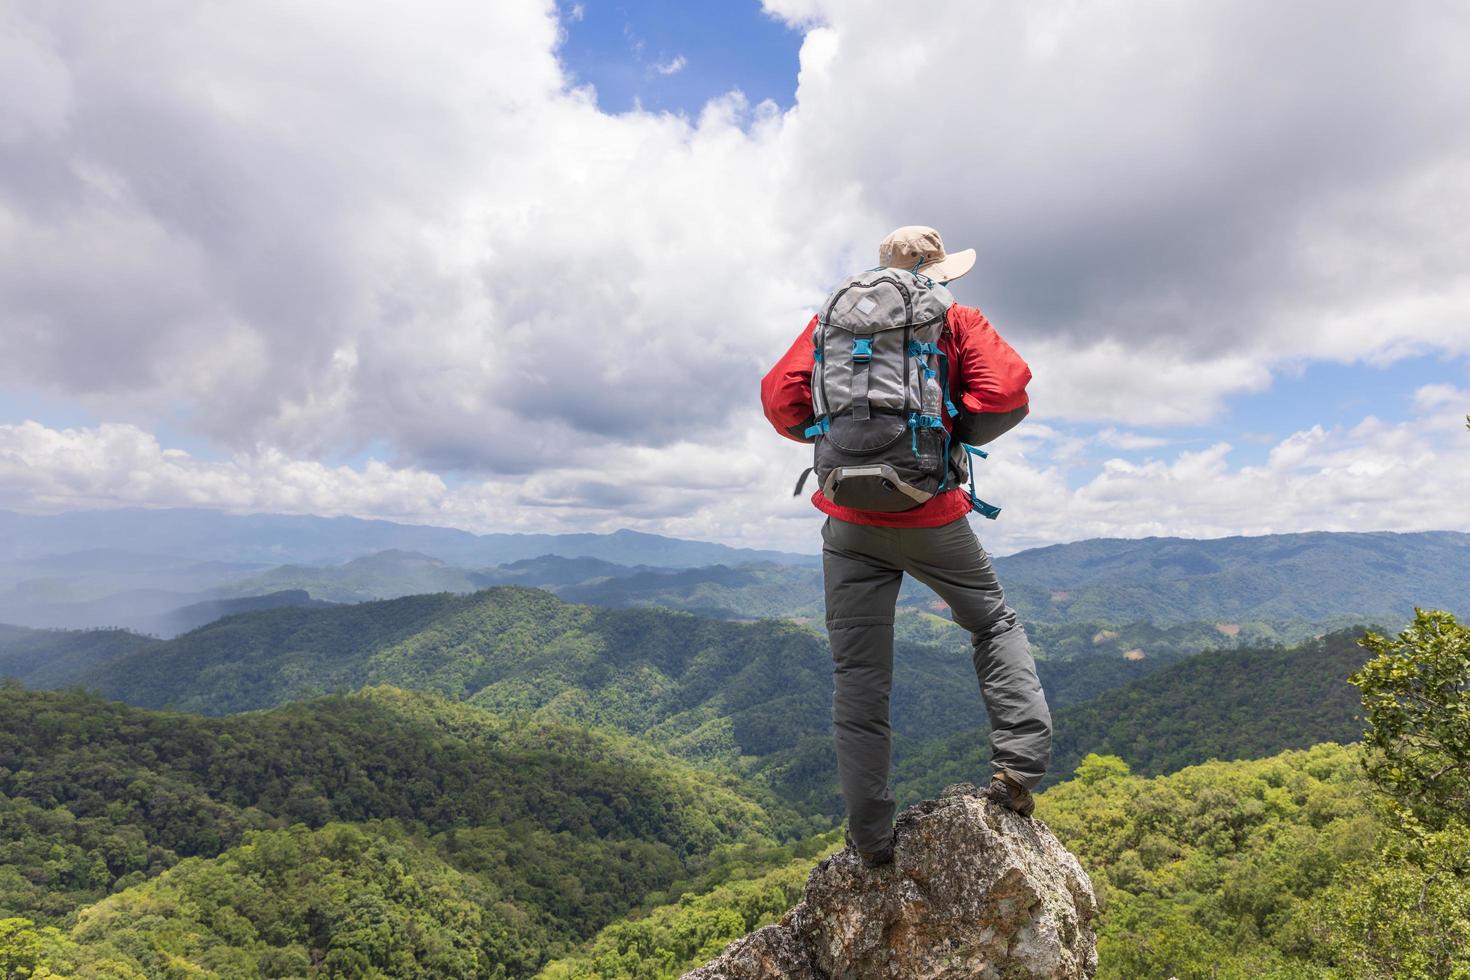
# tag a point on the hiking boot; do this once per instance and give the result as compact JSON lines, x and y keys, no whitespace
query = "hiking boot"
{"x":1010,"y":793}
{"x":875,"y":859}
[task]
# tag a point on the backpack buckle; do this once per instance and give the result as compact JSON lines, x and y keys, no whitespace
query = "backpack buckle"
{"x":862,"y":350}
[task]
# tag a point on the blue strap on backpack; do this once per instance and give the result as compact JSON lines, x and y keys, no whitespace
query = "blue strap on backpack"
{"x":989,"y":511}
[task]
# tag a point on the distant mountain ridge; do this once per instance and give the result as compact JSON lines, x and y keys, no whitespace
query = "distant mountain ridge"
{"x":208,"y":535}
{"x":1284,"y":587}
{"x":1310,"y":577}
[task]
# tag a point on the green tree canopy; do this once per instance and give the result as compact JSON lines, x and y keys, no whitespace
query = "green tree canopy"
{"x":1416,"y":697}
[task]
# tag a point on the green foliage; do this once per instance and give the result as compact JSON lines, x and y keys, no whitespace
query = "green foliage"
{"x":1222,"y":705}
{"x":751,"y":698}
{"x":20,"y":949}
{"x":1416,"y":697}
{"x":668,"y":941}
{"x":1095,"y":768}
{"x":343,"y":900}
{"x":1201,"y":871}
{"x":1407,"y":913}
{"x":1241,"y":870}
{"x":56,"y":658}
{"x":1388,"y":918}
{"x":564,"y":827}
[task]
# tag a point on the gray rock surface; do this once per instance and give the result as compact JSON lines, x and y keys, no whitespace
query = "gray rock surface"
{"x":975,"y":891}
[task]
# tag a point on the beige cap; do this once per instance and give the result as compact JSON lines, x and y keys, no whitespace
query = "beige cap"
{"x":921,"y":246}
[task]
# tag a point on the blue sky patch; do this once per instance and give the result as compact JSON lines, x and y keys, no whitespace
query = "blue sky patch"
{"x":1325,"y":393}
{"x":674,"y":57}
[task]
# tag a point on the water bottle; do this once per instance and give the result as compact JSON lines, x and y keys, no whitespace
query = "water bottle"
{"x":932,"y":395}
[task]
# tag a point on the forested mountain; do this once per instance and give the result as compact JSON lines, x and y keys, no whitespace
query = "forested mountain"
{"x":1280,"y":587}
{"x":752,"y":696}
{"x":748,"y":591}
{"x":1319,"y":577}
{"x":198,"y":614}
{"x":1232,"y":591}
{"x":57,"y":658}
{"x":571,"y":765}
{"x":1227,"y":704}
{"x":392,"y":574}
{"x":756,"y":696}
{"x":1251,"y":870}
{"x":91,"y":569}
{"x":504,"y":837}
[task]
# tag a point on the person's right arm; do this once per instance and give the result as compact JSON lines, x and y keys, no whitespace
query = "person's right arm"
{"x":786,"y":390}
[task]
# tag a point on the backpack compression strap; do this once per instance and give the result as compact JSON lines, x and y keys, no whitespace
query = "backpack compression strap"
{"x":862,"y":356}
{"x":989,"y":511}
{"x":801,"y":480}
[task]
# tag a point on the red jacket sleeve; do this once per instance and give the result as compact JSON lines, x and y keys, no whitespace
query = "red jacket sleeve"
{"x":992,"y":376}
{"x":786,"y":390}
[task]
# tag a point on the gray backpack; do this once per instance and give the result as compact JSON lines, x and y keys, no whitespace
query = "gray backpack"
{"x":879,"y":385}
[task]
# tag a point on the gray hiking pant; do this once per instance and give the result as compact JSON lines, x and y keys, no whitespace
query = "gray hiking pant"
{"x":862,"y":568}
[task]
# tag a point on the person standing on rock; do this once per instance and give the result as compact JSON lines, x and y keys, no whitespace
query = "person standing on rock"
{"x":897,"y":386}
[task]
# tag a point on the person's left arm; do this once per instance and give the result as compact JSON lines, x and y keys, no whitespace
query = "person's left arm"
{"x":993,"y":379}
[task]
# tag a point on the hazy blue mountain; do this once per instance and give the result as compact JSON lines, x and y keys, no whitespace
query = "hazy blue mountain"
{"x":1319,"y":577}
{"x":382,"y":575}
{"x":557,"y":570}
{"x":153,"y":612}
{"x":1275,"y":587}
{"x":33,"y":604}
{"x":97,"y":572}
{"x":191,"y":617}
{"x":209,"y":535}
{"x":748,"y":591}
{"x":395,"y":573}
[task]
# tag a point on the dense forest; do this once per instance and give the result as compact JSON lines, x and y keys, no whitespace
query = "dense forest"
{"x":751,"y":697}
{"x":1229,"y":704}
{"x":1272,"y":868}
{"x":508,"y":784}
{"x":563,"y":826}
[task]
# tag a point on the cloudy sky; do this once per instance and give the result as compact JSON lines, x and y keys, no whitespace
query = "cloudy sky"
{"x":520,"y":265}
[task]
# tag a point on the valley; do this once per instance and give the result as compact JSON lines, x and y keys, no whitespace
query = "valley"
{"x":573,"y":766}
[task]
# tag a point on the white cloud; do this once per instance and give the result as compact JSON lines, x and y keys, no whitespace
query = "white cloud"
{"x":1119,"y":439}
{"x":1373,"y":476}
{"x":1406,"y":476}
{"x":307,"y":231}
{"x":121,"y":465}
{"x":671,"y":67}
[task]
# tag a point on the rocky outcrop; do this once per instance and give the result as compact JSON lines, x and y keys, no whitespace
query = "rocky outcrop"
{"x":975,"y":891}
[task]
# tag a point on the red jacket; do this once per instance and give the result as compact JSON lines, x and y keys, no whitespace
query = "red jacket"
{"x":989,"y":377}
